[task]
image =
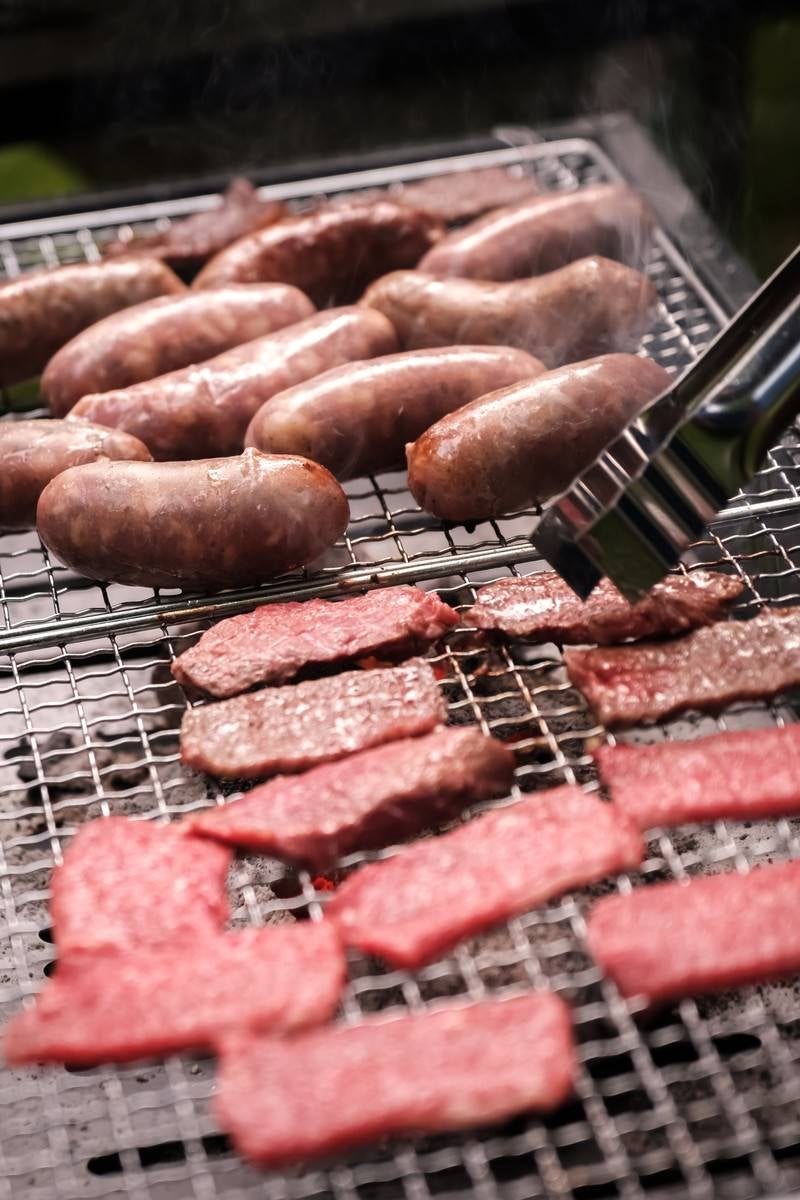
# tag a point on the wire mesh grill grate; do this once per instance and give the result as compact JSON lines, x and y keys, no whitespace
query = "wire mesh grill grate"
{"x":388,"y":535}
{"x":701,"y":1101}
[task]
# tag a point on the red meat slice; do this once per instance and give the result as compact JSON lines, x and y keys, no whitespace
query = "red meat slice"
{"x":755,"y":773}
{"x":365,"y":801}
{"x":707,"y":669}
{"x":100,"y":1008}
{"x":460,"y":195}
{"x":418,"y":904}
{"x":672,"y":939}
{"x":190,"y":241}
{"x":290,"y":728}
{"x":314,"y":1094}
{"x":128,"y":884}
{"x":545,"y":608}
{"x":274,"y":642}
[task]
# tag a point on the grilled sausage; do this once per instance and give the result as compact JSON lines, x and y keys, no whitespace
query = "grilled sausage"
{"x":526,"y":443}
{"x":356,"y":419}
{"x":591,"y":306}
{"x":163,"y":335}
{"x":40,"y":312}
{"x":34,"y":452}
{"x":331,"y":254}
{"x":545,"y":233}
{"x":205,"y":410}
{"x":221,"y":522}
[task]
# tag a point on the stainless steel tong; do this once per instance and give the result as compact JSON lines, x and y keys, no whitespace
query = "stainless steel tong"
{"x":632,"y":514}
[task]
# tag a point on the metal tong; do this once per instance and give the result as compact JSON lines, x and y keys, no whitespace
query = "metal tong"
{"x":633,"y":513}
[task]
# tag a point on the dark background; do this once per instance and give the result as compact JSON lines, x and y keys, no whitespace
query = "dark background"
{"x":101,"y":95}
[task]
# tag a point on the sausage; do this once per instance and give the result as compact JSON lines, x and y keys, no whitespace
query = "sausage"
{"x":186,"y":244}
{"x":356,"y":419}
{"x":205,"y":410}
{"x":592,"y":306}
{"x":34,"y":452}
{"x":40,"y":312}
{"x":163,"y":335}
{"x":221,"y":522}
{"x":331,"y":254}
{"x":544,"y":233}
{"x":520,"y":446}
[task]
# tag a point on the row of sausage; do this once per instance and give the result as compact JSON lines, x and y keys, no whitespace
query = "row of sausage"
{"x":331,"y":255}
{"x":453,"y":368}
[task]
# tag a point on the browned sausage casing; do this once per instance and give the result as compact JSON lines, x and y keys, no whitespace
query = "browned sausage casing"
{"x":224,"y":522}
{"x":331,"y":254}
{"x":34,"y":452}
{"x":544,"y":233}
{"x":593,"y":306}
{"x":163,"y":335}
{"x":356,"y":419}
{"x":522,"y":445}
{"x":40,"y":312}
{"x":204,"y":410}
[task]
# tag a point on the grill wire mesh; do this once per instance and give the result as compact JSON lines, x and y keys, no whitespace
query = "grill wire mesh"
{"x":700,"y":1101}
{"x":387,"y":532}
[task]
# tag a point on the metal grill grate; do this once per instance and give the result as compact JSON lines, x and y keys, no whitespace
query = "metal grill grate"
{"x":701,"y":1101}
{"x":388,"y":534}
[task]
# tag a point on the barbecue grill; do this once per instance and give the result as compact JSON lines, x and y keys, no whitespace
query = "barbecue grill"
{"x":700,"y":1100}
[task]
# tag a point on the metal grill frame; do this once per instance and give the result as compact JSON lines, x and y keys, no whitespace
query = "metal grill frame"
{"x":700,"y":1102}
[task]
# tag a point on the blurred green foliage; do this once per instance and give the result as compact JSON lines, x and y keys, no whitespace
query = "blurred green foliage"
{"x":21,"y":397}
{"x":32,"y":172}
{"x":773,"y":202}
